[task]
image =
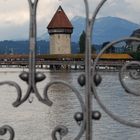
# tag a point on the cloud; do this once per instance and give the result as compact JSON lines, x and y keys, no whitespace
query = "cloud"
{"x":126,"y":9}
{"x":14,"y":14}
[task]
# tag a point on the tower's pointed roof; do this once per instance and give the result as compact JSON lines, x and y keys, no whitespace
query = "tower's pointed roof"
{"x":60,"y":20}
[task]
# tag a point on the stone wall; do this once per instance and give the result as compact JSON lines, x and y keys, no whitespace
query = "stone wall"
{"x":60,"y":44}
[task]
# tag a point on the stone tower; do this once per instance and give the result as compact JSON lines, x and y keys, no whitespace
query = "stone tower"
{"x":60,"y":30}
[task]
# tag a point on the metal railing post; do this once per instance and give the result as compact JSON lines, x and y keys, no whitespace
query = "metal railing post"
{"x":91,"y":79}
{"x":32,"y":41}
{"x":88,"y":94}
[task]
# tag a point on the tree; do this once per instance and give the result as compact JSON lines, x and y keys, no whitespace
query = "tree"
{"x":136,"y":55}
{"x":82,"y":42}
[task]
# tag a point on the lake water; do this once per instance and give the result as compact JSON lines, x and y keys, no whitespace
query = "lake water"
{"x":35,"y":121}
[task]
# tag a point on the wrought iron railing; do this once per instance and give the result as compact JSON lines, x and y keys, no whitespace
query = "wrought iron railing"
{"x":91,"y":79}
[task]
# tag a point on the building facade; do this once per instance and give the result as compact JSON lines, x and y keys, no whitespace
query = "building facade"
{"x":134,"y":46}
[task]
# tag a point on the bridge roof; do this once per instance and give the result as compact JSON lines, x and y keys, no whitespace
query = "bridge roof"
{"x":109,"y":56}
{"x":115,"y":56}
{"x":60,"y":20}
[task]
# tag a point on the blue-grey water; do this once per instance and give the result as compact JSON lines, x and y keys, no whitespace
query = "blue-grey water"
{"x":35,"y":121}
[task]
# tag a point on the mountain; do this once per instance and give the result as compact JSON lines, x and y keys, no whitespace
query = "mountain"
{"x":105,"y":29}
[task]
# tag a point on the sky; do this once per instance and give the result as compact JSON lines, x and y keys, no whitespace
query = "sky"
{"x":14,"y":14}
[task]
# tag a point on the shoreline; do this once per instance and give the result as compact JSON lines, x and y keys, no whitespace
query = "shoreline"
{"x":16,"y":70}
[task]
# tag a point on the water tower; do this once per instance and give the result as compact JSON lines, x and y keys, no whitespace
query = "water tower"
{"x":60,"y":30}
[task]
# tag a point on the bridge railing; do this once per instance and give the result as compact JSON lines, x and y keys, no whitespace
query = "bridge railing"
{"x":91,"y":79}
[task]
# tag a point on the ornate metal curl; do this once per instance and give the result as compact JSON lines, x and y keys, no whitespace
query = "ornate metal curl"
{"x":75,"y":91}
{"x":115,"y":117}
{"x":62,"y":130}
{"x":133,"y":74}
{"x":13,"y":84}
{"x":4,"y":129}
{"x":31,"y":77}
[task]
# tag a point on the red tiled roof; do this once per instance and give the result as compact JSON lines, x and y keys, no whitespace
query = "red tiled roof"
{"x":60,"y":20}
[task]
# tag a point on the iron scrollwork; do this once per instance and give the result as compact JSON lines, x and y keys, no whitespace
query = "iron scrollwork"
{"x":4,"y":129}
{"x":96,"y":78}
{"x":75,"y":91}
{"x":91,"y":79}
{"x":32,"y":77}
{"x":133,"y":74}
{"x":62,"y":130}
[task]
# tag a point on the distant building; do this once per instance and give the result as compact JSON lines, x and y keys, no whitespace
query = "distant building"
{"x":136,"y":33}
{"x":133,"y":46}
{"x":60,"y":30}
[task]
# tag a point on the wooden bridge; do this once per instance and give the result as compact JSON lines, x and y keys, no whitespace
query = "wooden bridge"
{"x":68,"y":61}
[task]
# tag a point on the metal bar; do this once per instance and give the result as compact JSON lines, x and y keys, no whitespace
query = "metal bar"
{"x":32,"y":42}
{"x":88,"y":95}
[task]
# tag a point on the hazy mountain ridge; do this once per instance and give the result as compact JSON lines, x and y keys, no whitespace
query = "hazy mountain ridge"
{"x":105,"y":29}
